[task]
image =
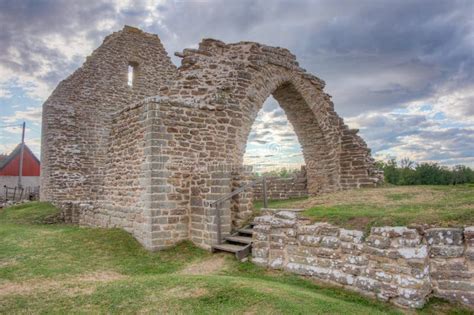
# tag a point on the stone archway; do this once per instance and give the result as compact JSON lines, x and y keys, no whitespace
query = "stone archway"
{"x":315,"y":145}
{"x":214,"y":101}
{"x":159,"y":161}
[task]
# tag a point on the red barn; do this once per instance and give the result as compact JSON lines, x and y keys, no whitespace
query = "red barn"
{"x":10,"y":168}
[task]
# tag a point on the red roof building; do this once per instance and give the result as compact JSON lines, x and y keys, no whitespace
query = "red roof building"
{"x":10,"y":165}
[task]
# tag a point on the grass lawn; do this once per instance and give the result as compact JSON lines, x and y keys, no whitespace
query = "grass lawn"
{"x":67,"y":269}
{"x":400,"y":205}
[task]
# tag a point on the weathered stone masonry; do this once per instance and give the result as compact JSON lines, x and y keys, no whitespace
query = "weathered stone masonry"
{"x":400,"y":264}
{"x":279,"y":188}
{"x":149,"y":157}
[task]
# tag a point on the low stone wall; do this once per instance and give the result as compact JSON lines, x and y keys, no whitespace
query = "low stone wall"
{"x":279,"y":188}
{"x":398,"y":264}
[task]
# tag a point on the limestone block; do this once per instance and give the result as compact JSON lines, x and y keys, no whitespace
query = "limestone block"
{"x":309,"y":240}
{"x":403,"y":302}
{"x":378,"y":241}
{"x":330,"y":242}
{"x":444,"y":236}
{"x":420,"y":252}
{"x":367,"y":284}
{"x":469,"y":235}
{"x":288,"y":215}
{"x":446,"y":251}
{"x":456,"y":296}
{"x":351,"y":236}
{"x":394,"y":231}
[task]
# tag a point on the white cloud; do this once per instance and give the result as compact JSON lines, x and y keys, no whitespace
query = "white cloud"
{"x":272,"y":141}
{"x":417,"y":133}
{"x":4,"y":93}
{"x":31,"y":114}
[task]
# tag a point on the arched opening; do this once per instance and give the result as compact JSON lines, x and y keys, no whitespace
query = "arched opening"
{"x":272,"y":145}
{"x":318,"y":155}
{"x":273,"y":151}
{"x":306,"y":141}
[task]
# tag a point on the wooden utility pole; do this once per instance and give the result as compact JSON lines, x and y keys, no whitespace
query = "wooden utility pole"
{"x":22,"y":151}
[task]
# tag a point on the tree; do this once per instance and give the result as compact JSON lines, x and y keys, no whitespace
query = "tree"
{"x":407,"y":172}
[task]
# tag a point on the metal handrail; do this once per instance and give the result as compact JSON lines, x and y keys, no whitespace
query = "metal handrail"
{"x":228,"y":196}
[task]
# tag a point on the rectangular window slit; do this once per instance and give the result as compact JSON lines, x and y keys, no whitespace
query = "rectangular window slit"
{"x":132,"y":74}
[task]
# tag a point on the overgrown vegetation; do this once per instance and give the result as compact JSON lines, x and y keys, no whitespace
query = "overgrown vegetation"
{"x":407,"y":172}
{"x":396,"y":205}
{"x":67,"y":269}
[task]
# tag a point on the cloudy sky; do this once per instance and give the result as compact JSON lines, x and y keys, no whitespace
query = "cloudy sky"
{"x":400,"y":71}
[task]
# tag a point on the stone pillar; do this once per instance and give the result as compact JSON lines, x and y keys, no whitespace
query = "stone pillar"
{"x":208,"y":187}
{"x":155,"y":181}
{"x":241,"y":205}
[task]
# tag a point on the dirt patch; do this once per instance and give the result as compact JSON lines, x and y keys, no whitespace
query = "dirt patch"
{"x":103,"y":276}
{"x":70,"y":286}
{"x":209,"y":266}
{"x":8,"y":263}
{"x":358,"y":223}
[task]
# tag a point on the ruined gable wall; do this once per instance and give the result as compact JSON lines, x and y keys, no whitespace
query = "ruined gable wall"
{"x":77,"y":116}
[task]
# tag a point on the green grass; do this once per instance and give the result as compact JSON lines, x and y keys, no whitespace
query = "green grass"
{"x":258,"y":204}
{"x":392,"y":206}
{"x":68,"y":269}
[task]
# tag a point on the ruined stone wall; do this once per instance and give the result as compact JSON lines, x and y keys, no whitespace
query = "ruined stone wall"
{"x":144,"y":158}
{"x":279,"y":188}
{"x":451,"y":263}
{"x":121,"y":204}
{"x":77,"y":116}
{"x":398,"y":264}
{"x":196,"y":168}
{"x":240,"y":77}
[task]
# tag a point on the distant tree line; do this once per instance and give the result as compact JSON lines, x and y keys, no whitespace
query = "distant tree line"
{"x":407,"y":172}
{"x":279,"y":172}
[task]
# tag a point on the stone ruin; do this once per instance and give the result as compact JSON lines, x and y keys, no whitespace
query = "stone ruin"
{"x":403,"y":265}
{"x":147,"y":153}
{"x":281,"y":188}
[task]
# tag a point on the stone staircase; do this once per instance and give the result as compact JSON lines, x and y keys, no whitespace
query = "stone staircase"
{"x":240,"y":242}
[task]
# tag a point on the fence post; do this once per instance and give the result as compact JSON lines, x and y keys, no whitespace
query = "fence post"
{"x":265,"y":199}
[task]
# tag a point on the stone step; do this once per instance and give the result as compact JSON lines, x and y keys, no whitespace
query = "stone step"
{"x":283,"y":209}
{"x":232,"y":248}
{"x":239,"y":239}
{"x":246,"y":231}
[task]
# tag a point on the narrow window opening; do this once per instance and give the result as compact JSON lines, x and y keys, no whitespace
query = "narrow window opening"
{"x":132,"y":74}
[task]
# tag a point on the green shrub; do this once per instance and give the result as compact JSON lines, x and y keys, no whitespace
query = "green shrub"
{"x":407,"y":172}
